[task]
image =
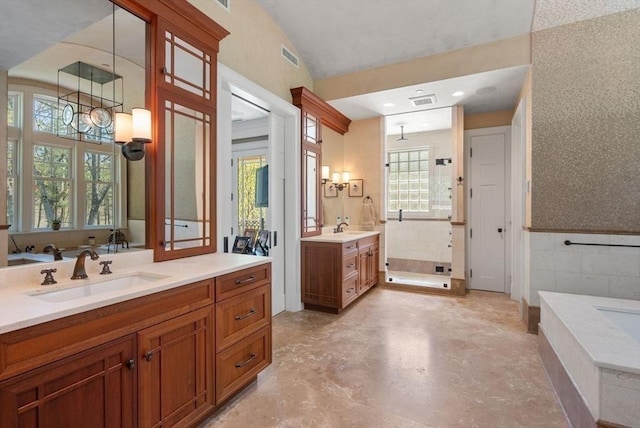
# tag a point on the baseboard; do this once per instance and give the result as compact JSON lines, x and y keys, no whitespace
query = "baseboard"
{"x":459,"y":287}
{"x":530,"y":316}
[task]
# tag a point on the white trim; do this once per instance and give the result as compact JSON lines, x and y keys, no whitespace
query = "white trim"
{"x":517,"y":191}
{"x":229,"y":82}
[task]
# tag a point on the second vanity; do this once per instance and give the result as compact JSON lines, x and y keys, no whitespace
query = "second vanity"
{"x":153,"y":344}
{"x":338,"y":268}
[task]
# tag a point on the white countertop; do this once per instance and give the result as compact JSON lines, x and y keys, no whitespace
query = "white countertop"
{"x":19,"y":308}
{"x":342,"y":237}
{"x":607,"y":344}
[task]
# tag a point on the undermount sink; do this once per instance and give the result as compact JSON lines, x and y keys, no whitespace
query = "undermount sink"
{"x":96,"y":287}
{"x":22,"y":261}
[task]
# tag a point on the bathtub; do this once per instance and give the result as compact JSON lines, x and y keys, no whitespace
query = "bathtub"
{"x":590,"y":347}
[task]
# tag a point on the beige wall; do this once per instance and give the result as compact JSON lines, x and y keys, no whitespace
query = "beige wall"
{"x":253,"y":47}
{"x":332,"y":156}
{"x":586,"y":123}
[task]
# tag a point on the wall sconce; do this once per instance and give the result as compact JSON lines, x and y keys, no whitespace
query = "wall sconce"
{"x":345,"y":180}
{"x":133,"y":131}
{"x":325,"y":174}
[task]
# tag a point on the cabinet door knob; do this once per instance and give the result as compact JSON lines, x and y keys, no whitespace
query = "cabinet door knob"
{"x":350,"y":265}
{"x":131,"y":364}
{"x":148,"y":355}
{"x":252,"y":356}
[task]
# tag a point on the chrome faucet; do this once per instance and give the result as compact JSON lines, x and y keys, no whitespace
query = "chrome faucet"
{"x":51,"y":248}
{"x":78,"y":270}
{"x":338,"y":228}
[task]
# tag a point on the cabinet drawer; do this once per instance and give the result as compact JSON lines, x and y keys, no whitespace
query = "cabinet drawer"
{"x":349,"y":265}
{"x":349,"y":247}
{"x":239,"y":316}
{"x":234,"y":283}
{"x":349,"y":290}
{"x":236,"y":365}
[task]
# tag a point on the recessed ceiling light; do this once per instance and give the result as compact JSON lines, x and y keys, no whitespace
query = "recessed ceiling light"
{"x":458,"y":94}
{"x":419,"y":91}
{"x":389,"y":104}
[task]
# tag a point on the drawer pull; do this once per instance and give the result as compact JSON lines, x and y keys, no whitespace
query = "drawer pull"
{"x":131,"y":364}
{"x":350,"y":290}
{"x":244,"y":281}
{"x":350,"y":247}
{"x":148,"y":355}
{"x":350,"y":265}
{"x":247,"y":361}
{"x":247,"y":315}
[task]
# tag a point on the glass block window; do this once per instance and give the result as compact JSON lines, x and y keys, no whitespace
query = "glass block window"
{"x":408,"y":181}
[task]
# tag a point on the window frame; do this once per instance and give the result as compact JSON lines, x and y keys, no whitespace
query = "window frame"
{"x":26,"y":138}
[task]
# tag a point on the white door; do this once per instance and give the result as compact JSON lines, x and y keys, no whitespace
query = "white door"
{"x":487,"y":212}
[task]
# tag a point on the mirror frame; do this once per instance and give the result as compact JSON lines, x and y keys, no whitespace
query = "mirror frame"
{"x":199,"y":28}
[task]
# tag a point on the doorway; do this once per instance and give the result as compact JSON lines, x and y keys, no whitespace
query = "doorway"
{"x":488,"y":153}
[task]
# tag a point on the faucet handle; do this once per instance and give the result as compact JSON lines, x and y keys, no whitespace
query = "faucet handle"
{"x":48,"y":277}
{"x":105,"y":267}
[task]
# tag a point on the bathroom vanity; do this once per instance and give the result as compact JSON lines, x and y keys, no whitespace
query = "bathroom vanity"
{"x":155,"y":344}
{"x":338,"y":268}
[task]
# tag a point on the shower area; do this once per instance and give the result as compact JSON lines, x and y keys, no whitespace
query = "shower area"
{"x":418,"y":200}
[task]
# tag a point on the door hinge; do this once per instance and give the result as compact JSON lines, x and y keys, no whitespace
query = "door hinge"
{"x":471,"y":152}
{"x":470,"y":273}
{"x":470,"y":233}
{"x":387,"y":165}
{"x":231,"y":162}
{"x":232,"y":231}
{"x":471,"y":193}
{"x":232,"y":196}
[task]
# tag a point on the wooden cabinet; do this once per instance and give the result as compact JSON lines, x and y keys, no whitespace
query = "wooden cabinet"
{"x":335,"y":274}
{"x":175,"y":370}
{"x":243,"y":329}
{"x":150,"y":361}
{"x":315,"y":113}
{"x":92,"y":389}
{"x":368,"y":264}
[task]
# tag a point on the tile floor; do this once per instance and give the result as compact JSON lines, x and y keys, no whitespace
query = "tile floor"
{"x":400,"y":359}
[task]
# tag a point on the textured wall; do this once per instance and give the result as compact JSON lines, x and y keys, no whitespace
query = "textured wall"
{"x":586,"y":125}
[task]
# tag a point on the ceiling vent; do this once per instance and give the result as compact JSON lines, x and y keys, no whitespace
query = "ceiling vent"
{"x":289,"y":56}
{"x":423,"y":100}
{"x":225,"y":4}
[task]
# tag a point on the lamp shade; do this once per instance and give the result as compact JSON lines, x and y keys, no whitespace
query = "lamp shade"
{"x":336,"y":177}
{"x":123,"y":129}
{"x":325,"y":172}
{"x":141,"y":124}
{"x":345,"y":176}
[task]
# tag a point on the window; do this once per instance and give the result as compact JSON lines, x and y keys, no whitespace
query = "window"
{"x":98,"y":179}
{"x":12,"y":183}
{"x":53,"y":177}
{"x":249,"y":216}
{"x":52,"y":186}
{"x":408,"y":181}
{"x":13,"y":109}
{"x":46,"y":117}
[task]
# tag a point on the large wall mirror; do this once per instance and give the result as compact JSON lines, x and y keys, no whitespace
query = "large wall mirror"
{"x":64,"y":171}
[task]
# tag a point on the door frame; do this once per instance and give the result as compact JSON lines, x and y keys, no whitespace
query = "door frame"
{"x":506,"y":130}
{"x":229,"y":81}
{"x":518,"y":196}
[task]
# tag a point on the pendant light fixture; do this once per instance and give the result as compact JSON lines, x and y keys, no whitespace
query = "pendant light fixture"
{"x":402,"y":138}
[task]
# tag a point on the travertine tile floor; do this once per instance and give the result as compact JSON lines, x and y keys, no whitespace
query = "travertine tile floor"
{"x":400,"y":359}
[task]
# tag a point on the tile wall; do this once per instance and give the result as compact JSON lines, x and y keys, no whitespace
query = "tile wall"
{"x":591,"y":270}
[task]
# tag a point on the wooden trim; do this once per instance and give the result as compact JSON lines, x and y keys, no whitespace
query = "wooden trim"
{"x":572,"y":403}
{"x":604,"y":424}
{"x":5,"y":226}
{"x":329,"y":116}
{"x":458,"y":223}
{"x":530,"y":316}
{"x":582,"y":231}
{"x":180,"y":13}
